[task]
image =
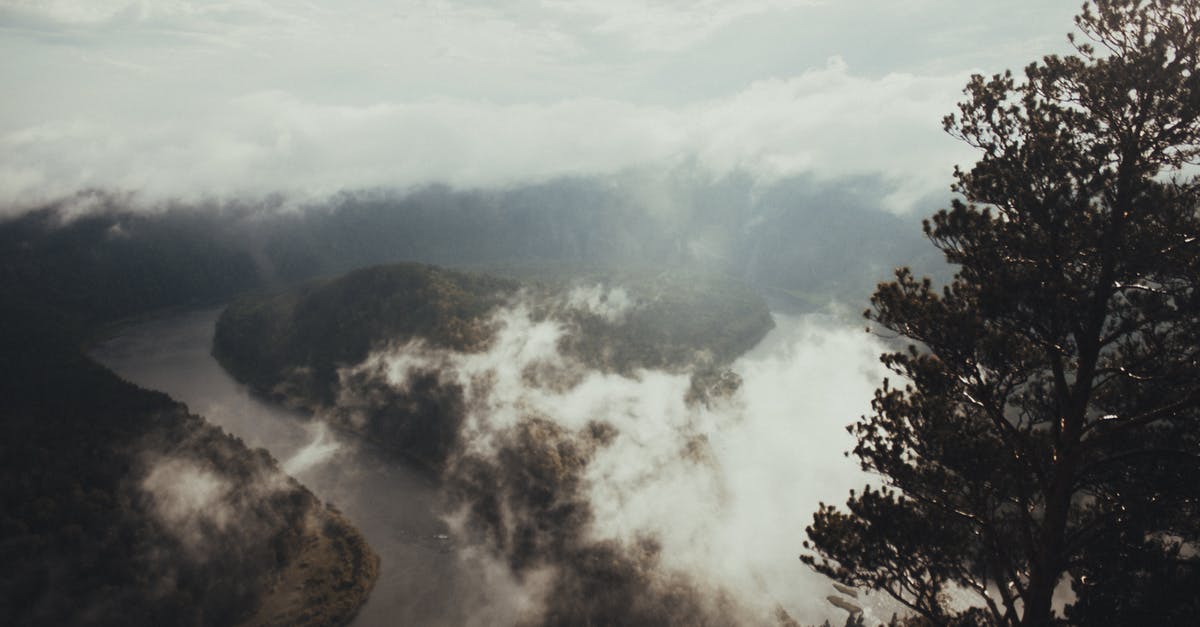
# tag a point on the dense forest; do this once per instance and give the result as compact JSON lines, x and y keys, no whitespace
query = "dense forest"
{"x":70,"y":277}
{"x":525,"y":503}
{"x":292,"y":345}
{"x":802,"y":242}
{"x":121,"y":508}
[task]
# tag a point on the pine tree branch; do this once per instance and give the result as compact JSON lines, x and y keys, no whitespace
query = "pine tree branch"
{"x":1123,"y":425}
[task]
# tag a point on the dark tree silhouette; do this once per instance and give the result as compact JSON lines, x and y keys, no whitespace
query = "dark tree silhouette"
{"x":1046,"y":428}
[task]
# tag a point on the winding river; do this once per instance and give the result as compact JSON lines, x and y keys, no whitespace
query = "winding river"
{"x":776,"y":456}
{"x":422,"y":580}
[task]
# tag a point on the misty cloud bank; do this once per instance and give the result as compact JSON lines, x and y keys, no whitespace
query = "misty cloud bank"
{"x":217,"y":509}
{"x":631,"y":498}
{"x":826,"y":122}
{"x":139,"y":97}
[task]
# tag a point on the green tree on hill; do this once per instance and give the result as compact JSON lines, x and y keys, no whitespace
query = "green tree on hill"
{"x":1047,"y":426}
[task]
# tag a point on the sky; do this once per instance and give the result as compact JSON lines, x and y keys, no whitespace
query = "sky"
{"x":236,"y":99}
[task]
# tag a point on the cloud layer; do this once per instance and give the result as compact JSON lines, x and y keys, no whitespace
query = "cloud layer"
{"x":826,"y":121}
{"x":197,"y":99}
{"x":708,"y":497}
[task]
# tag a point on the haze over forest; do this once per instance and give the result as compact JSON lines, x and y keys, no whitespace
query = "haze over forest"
{"x":443,"y":312}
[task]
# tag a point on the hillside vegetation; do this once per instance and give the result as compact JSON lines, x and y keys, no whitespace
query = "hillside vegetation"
{"x":121,"y":508}
{"x":117,"y":506}
{"x":291,"y":344}
{"x":524,"y":505}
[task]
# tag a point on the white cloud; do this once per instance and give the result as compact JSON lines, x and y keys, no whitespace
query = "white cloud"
{"x":321,"y":448}
{"x":827,"y":122}
{"x":227,"y":98}
{"x":72,"y":11}
{"x":611,"y":304}
{"x":192,"y":501}
{"x":146,"y":12}
{"x":732,"y":516}
{"x":668,"y":25}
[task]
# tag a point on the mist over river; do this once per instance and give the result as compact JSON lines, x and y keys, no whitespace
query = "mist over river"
{"x":776,"y":451}
{"x":420,"y":581}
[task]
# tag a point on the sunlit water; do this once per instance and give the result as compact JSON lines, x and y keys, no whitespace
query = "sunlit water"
{"x":421,"y":581}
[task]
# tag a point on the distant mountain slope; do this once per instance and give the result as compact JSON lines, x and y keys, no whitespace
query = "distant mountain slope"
{"x":803,"y":241}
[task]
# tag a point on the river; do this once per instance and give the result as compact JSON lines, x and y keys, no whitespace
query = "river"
{"x":776,"y":453}
{"x":422,"y":580}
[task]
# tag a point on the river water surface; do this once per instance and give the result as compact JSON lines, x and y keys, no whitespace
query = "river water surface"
{"x":422,"y":581}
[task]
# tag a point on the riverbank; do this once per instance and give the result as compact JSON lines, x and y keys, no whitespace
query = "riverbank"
{"x":422,"y":579}
{"x":123,"y":507}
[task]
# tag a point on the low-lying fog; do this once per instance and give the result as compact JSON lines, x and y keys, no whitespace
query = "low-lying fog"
{"x":725,"y":488}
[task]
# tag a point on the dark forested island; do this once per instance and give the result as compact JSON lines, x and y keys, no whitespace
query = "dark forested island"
{"x":524,"y":504}
{"x":291,"y":344}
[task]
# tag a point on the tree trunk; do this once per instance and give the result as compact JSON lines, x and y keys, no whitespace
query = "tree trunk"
{"x":1046,"y":566}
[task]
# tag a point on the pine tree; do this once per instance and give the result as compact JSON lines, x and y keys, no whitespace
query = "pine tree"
{"x":1046,"y":427}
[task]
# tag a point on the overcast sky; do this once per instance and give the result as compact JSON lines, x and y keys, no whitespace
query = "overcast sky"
{"x":192,"y":98}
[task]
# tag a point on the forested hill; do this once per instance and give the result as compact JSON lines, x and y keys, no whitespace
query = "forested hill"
{"x":70,"y":269}
{"x":117,"y":506}
{"x":121,"y":508}
{"x":291,"y":344}
{"x":545,"y":329}
{"x":802,"y":242}
{"x":297,"y":338}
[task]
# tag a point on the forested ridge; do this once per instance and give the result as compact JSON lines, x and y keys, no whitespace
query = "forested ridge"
{"x":70,"y":276}
{"x":94,"y":471}
{"x":526,"y":505}
{"x":292,"y":344}
{"x":802,"y":242}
